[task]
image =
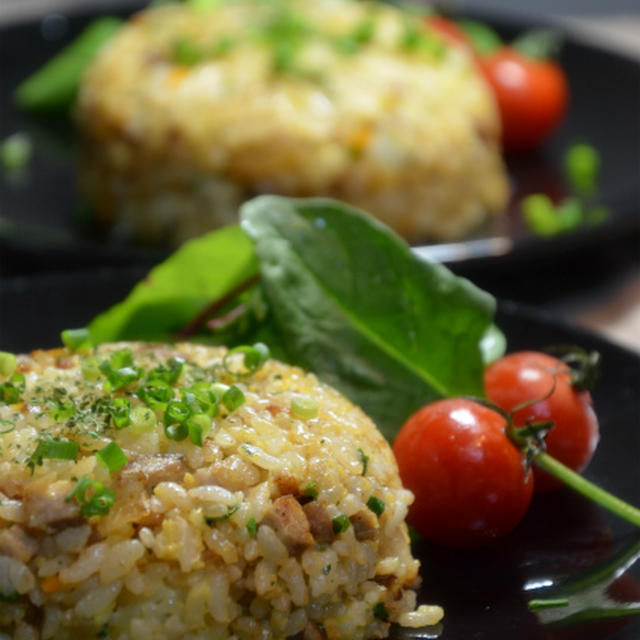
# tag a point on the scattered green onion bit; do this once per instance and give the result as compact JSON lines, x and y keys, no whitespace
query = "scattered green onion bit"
{"x":11,"y":391}
{"x":326,"y":569}
{"x":201,"y":400}
{"x":120,"y":376}
{"x":253,"y":358}
{"x":304,"y":407}
{"x":186,"y":52}
{"x":311,"y":490}
{"x":8,"y":363}
{"x":155,"y":394}
{"x":233,"y":398}
{"x":365,"y":461}
{"x":340,"y":524}
{"x":93,"y":497}
{"x":547,"y":603}
{"x":224,"y":516}
{"x":252,"y":527}
{"x":112,"y":457}
{"x":168,"y":374}
{"x":376,"y":505}
{"x":15,"y":151}
{"x":199,"y":427}
{"x":582,"y":165}
{"x":76,"y":339}
{"x":62,"y":410}
{"x":90,"y":368}
{"x":120,"y":410}
{"x":380,"y":612}
{"x":174,"y":419}
{"x":53,"y":448}
{"x":7,"y":423}
{"x":143,"y":420}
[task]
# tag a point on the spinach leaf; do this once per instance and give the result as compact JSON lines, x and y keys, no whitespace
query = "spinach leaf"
{"x":354,"y":305}
{"x":202,"y":270}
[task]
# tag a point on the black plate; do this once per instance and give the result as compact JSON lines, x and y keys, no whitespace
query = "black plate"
{"x":40,"y":227}
{"x":485,"y":592}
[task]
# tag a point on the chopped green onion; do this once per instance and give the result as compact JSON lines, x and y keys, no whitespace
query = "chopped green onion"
{"x":311,"y":490}
{"x":11,"y":391}
{"x":340,"y":524}
{"x":8,"y":363}
{"x":187,"y":53}
{"x":121,"y":358}
{"x":365,"y":461}
{"x":156,"y":394}
{"x":376,"y":505}
{"x":582,"y":165}
{"x":90,"y":368}
{"x":540,"y":214}
{"x":120,"y":377}
{"x":62,"y":410}
{"x":55,"y":84}
{"x":93,"y":497}
{"x":143,"y":420}
{"x":380,"y":612}
{"x":168,"y":374}
{"x":233,"y":398}
{"x":199,"y":427}
{"x":252,"y":527}
{"x":253,"y":358}
{"x":119,"y":410}
{"x":224,"y":516}
{"x":55,"y":449}
{"x":15,"y":151}
{"x":201,"y":400}
{"x":8,"y":423}
{"x":304,"y":407}
{"x":112,"y":457}
{"x":547,"y":603}
{"x":76,"y":339}
{"x":326,"y":570}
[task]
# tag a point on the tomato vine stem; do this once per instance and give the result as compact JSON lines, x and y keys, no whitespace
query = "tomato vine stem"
{"x":589,"y":490}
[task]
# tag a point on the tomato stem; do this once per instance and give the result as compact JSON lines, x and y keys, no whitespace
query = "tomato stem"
{"x":588,"y":489}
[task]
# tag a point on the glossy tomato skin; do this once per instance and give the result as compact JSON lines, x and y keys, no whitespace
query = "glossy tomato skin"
{"x":527,"y":376}
{"x":469,"y":480}
{"x":532,"y":96}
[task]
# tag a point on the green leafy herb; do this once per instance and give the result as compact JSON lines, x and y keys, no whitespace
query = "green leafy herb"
{"x":93,"y":497}
{"x":353,"y":304}
{"x":376,"y":505}
{"x":539,"y":44}
{"x":365,"y":461}
{"x":252,"y":527}
{"x":54,"y":85}
{"x":15,"y":151}
{"x":112,"y":457}
{"x":340,"y":524}
{"x":485,"y":39}
{"x":53,"y":448}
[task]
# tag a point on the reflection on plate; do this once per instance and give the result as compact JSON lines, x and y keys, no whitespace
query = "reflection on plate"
{"x":42,"y":224}
{"x":564,"y":541}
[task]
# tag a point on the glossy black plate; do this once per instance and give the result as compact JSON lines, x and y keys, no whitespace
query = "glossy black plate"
{"x":42,"y":225}
{"x":484,"y":592}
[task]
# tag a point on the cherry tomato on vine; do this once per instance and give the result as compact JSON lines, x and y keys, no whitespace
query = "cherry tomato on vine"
{"x":532,"y":95}
{"x":530,"y":376}
{"x":470,"y":482}
{"x":449,"y":30}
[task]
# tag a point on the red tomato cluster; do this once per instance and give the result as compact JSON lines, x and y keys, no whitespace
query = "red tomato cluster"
{"x":470,"y":481}
{"x":531,"y":93}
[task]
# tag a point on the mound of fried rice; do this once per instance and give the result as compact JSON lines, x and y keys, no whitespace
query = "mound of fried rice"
{"x":190,"y":111}
{"x":285,"y":519}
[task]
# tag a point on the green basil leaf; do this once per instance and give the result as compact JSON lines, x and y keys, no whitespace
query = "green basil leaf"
{"x":355,"y":305}
{"x":174,"y":292}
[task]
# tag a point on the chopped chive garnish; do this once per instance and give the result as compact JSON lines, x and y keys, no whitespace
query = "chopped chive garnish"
{"x":376,"y":505}
{"x":15,"y":151}
{"x":93,"y":497}
{"x":112,"y":457}
{"x":233,"y":398}
{"x":186,"y":52}
{"x":174,"y":419}
{"x":90,"y":368}
{"x":311,"y":490}
{"x":168,"y":374}
{"x":62,"y":410}
{"x":582,"y":164}
{"x":120,"y":409}
{"x":365,"y":461}
{"x":201,"y":400}
{"x":7,"y":423}
{"x":156,"y":394}
{"x":340,"y":524}
{"x":547,"y":603}
{"x":252,"y":527}
{"x":8,"y":363}
{"x":380,"y":612}
{"x":224,"y":516}
{"x":252,"y":359}
{"x":50,"y":448}
{"x":304,"y":408}
{"x":11,"y":391}
{"x":199,"y":427}
{"x":143,"y":420}
{"x":120,"y":377}
{"x":76,"y":339}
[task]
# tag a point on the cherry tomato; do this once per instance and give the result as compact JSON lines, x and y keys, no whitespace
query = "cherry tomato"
{"x":528,"y":376}
{"x":532,"y":96}
{"x":449,"y":30}
{"x":469,"y":480}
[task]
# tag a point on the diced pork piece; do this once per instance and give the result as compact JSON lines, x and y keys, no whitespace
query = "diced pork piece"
{"x":365,"y":525}
{"x":320,"y":522}
{"x":153,"y":469}
{"x":286,"y":484}
{"x":287,"y":518}
{"x":45,"y":506}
